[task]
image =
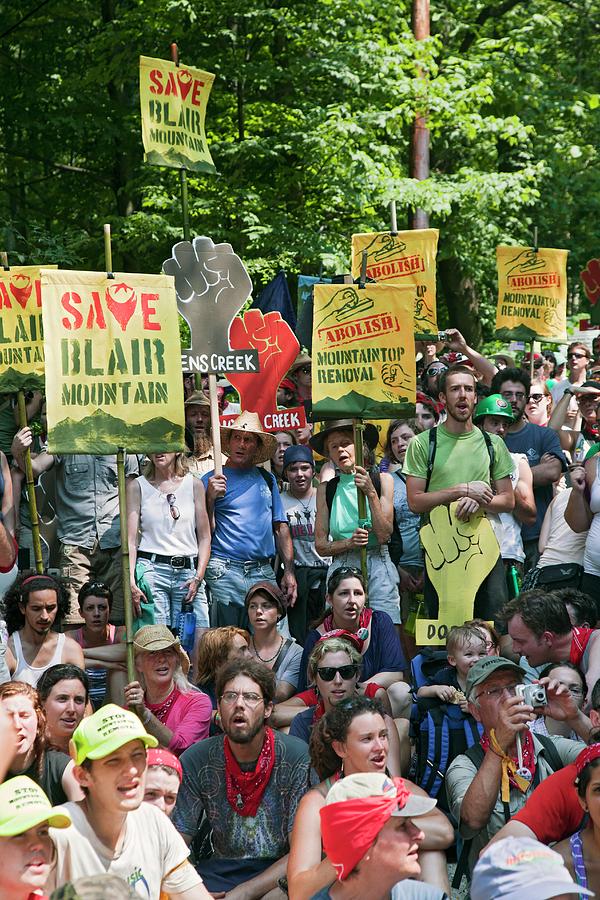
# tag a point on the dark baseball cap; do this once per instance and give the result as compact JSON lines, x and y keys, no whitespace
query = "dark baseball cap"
{"x":298,"y":453}
{"x":483,"y":668}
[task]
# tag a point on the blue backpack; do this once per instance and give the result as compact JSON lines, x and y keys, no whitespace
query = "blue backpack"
{"x":441,"y":731}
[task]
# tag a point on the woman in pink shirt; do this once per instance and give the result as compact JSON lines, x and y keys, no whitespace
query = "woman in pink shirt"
{"x":172,"y":709}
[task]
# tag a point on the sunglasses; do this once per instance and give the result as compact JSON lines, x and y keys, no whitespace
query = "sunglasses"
{"x":328,"y":673}
{"x":577,"y":355}
{"x":535,"y":397}
{"x":172,"y":500}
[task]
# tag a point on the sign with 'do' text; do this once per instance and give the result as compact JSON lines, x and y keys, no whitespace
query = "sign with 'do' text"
{"x":458,"y":557}
{"x":113,"y":375}
{"x":407,"y":258}
{"x":173,"y":102}
{"x":532,"y":294}
{"x":21,"y":329}
{"x":363,"y":351}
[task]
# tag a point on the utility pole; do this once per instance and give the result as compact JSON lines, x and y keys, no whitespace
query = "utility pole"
{"x":420,"y":133}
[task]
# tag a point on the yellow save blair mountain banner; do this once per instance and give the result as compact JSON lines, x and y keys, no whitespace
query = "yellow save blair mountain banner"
{"x":113,"y":370}
{"x":363,"y":351}
{"x":532,"y":294}
{"x":407,"y":258}
{"x":173,"y":102}
{"x":21,"y":330}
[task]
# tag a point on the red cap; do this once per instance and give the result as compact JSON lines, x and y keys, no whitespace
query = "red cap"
{"x":162,"y":757}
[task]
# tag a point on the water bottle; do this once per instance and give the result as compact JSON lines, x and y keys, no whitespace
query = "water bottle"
{"x":186,"y":628}
{"x":514,"y":586}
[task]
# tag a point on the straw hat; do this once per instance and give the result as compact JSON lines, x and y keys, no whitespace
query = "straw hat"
{"x":151,"y":638}
{"x":250,"y":422}
{"x":317,"y":441}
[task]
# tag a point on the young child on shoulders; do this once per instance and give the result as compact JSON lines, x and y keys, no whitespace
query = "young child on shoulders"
{"x":465,"y":645}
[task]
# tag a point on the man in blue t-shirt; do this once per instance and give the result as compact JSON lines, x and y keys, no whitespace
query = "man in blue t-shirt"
{"x":541,"y":447}
{"x":248,"y":521}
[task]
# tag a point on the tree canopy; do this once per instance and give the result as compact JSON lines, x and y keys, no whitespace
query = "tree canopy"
{"x":309,"y":125}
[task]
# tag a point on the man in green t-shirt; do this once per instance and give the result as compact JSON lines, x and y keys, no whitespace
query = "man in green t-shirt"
{"x":462,"y":471}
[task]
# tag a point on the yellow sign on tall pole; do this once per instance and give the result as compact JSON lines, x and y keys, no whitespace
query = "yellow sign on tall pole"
{"x":363,"y":351}
{"x":173,"y":102}
{"x":113,"y":370}
{"x":532,"y":294}
{"x":406,"y":258}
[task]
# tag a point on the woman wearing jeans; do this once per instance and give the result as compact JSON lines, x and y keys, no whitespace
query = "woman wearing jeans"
{"x":167,"y":512}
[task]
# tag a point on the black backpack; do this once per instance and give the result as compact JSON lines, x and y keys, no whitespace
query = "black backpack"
{"x":395,"y":543}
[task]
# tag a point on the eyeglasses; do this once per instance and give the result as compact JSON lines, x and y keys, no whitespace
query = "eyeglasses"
{"x":172,"y":500}
{"x":518,"y":395}
{"x":328,"y":673}
{"x":577,"y":355}
{"x":535,"y":398}
{"x":249,"y":698}
{"x":509,"y":689}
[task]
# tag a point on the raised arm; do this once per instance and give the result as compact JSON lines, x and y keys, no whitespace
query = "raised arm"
{"x":578,"y":514}
{"x":525,"y":509}
{"x":482,"y":365}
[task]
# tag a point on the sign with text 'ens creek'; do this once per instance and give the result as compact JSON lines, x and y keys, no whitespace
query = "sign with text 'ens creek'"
{"x":363,"y":351}
{"x":212,"y":285}
{"x":21,"y":329}
{"x":407,"y":258}
{"x":173,"y":102}
{"x":113,"y":375}
{"x":532,"y":294}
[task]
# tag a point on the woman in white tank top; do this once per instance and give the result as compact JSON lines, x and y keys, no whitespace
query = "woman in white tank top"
{"x":169,"y":539}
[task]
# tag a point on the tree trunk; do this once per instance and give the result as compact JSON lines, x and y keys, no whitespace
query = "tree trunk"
{"x":462,"y":301}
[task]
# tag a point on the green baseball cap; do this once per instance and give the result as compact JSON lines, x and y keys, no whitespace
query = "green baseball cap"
{"x":483,"y":668}
{"x":108,"y":729}
{"x":23,"y":805}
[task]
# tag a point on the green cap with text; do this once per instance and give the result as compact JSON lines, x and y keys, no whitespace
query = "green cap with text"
{"x":110,"y":728}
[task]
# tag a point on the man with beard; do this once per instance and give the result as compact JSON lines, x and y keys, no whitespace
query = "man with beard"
{"x":540,"y":445}
{"x":247,"y":783}
{"x":197,"y":422}
{"x":457,"y":462}
{"x":34,"y":607}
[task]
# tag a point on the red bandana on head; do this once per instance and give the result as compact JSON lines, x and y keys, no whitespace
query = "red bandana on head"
{"x":348,"y":828}
{"x":245,"y":789}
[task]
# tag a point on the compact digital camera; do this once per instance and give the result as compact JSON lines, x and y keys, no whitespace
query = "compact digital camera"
{"x":532,"y":694}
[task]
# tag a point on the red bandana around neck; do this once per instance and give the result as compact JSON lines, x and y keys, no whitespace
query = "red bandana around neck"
{"x":245,"y":789}
{"x":363,"y":622}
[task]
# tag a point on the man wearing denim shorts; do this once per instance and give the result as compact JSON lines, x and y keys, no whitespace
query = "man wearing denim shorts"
{"x":247,"y":521}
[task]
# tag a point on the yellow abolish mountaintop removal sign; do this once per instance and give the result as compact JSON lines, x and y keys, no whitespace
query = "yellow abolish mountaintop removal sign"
{"x":363,"y":351}
{"x":406,"y":258}
{"x":173,"y":102}
{"x":532,"y":294}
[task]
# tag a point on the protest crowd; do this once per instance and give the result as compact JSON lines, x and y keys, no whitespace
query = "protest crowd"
{"x":287,"y":733}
